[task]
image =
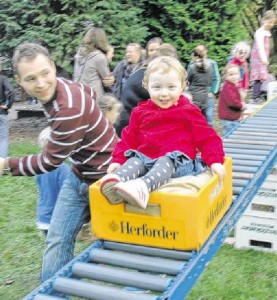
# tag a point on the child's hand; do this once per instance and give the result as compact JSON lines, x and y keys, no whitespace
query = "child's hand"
{"x":243,"y":107}
{"x":265,"y":61}
{"x":218,"y":169}
{"x":112,"y":167}
{"x":2,"y":165}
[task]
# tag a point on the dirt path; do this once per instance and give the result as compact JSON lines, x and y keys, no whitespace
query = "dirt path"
{"x":26,"y":128}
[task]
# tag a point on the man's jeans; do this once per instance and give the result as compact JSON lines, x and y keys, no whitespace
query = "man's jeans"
{"x":4,"y":135}
{"x":208,"y":112}
{"x":70,"y":213}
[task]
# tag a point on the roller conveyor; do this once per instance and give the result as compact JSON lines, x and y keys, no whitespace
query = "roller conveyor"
{"x":117,"y":271}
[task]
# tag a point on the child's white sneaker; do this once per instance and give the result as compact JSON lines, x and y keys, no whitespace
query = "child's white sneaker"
{"x":135,"y":192}
{"x":107,"y":184}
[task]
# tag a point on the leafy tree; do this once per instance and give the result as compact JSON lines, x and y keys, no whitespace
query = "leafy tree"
{"x":60,"y":24}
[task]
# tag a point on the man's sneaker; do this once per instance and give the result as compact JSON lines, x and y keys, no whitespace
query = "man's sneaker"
{"x":135,"y":192}
{"x":107,"y":188}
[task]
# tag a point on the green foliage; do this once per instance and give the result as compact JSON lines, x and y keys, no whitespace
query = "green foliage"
{"x":60,"y":24}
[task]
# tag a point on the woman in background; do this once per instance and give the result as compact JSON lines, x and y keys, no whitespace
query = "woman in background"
{"x":91,"y":65}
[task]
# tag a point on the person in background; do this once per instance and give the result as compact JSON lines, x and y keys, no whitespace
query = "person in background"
{"x":162,"y":139}
{"x":49,"y":186}
{"x":200,"y":80}
{"x":239,"y":55}
{"x":132,"y":62}
{"x":91,"y":66}
{"x":110,"y":106}
{"x":79,"y":132}
{"x":230,"y":103}
{"x":152,"y":46}
{"x":209,"y":110}
{"x":270,"y":78}
{"x":259,"y":59}
{"x":6,"y":100}
{"x":134,"y":91}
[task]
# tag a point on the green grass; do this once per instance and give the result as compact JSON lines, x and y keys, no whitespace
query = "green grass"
{"x":232,"y":275}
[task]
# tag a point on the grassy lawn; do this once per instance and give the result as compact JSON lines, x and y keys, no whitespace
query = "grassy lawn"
{"x":233,"y":274}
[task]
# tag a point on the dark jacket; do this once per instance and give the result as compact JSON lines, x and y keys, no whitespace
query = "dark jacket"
{"x":121,"y":73}
{"x":133,"y":93}
{"x":6,"y":94}
{"x":200,"y":81}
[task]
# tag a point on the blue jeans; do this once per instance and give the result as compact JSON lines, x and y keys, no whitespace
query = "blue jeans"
{"x":208,"y":111}
{"x":4,"y":135}
{"x":70,"y":213}
{"x":227,"y":125}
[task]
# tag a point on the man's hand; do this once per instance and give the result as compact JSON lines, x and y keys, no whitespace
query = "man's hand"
{"x":112,"y":167}
{"x":218,"y":169}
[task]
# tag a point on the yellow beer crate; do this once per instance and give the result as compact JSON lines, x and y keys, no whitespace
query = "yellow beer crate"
{"x":172,"y":221}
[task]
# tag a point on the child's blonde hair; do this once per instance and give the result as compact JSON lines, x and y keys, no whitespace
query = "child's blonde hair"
{"x":107,"y":102}
{"x":164,"y":64}
{"x":241,"y":46}
{"x":269,"y":15}
{"x":228,"y":67}
{"x":43,"y":137}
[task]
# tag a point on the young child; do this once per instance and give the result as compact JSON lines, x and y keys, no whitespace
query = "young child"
{"x":230,"y":103}
{"x":161,"y":140}
{"x":240,"y":53}
{"x":110,"y":106}
{"x":200,"y":79}
{"x":259,"y":59}
{"x":49,"y":185}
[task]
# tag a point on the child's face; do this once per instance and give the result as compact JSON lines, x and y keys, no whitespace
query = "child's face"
{"x":113,"y":114}
{"x":269,"y":24}
{"x":233,"y":75}
{"x":242,"y":54}
{"x":165,"y":89}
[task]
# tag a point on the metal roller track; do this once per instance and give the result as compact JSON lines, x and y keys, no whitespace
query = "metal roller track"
{"x":117,"y":271}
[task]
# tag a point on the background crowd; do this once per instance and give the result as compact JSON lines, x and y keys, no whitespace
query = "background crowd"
{"x":93,"y":78}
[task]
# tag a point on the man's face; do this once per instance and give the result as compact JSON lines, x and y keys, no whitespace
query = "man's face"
{"x":132,"y":54}
{"x":37,"y":77}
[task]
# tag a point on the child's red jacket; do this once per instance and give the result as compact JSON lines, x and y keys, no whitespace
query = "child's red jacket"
{"x":155,"y":131}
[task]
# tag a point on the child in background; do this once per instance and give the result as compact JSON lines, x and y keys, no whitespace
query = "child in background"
{"x":230,"y":103}
{"x":162,"y":139}
{"x":49,"y":185}
{"x":200,"y":79}
{"x":110,"y":106}
{"x":240,"y":53}
{"x":259,"y":60}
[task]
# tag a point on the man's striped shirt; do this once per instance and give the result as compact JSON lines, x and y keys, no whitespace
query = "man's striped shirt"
{"x":80,"y":132}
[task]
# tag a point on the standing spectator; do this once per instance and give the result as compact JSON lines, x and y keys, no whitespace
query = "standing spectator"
{"x":162,"y":139}
{"x":152,"y":46}
{"x":49,"y":185}
{"x":134,"y":91}
{"x":260,"y":53}
{"x":209,"y":110}
{"x":79,"y":132}
{"x":6,"y":101}
{"x":132,"y":62}
{"x":91,"y":65}
{"x":240,"y":53}
{"x":230,"y":103}
{"x":200,"y":80}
